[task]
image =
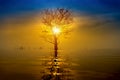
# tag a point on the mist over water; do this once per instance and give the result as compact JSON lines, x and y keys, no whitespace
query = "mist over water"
{"x":87,"y":65}
{"x":91,"y":50}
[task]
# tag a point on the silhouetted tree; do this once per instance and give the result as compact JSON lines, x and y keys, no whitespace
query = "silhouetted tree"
{"x":59,"y":17}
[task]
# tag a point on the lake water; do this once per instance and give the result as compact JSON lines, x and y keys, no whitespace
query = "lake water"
{"x":87,"y":65}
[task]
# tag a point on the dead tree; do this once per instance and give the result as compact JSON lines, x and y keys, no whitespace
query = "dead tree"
{"x":56,"y":17}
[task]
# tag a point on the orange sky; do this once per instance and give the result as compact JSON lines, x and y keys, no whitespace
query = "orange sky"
{"x":24,"y":30}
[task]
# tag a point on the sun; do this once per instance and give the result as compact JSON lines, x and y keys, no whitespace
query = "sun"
{"x":56,"y":30}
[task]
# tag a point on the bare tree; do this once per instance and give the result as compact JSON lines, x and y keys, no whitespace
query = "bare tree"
{"x":56,"y":17}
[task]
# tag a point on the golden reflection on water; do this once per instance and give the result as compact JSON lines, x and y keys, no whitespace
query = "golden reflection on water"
{"x":90,"y":65}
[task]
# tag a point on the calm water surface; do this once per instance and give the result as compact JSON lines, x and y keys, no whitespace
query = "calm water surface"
{"x":87,"y":65}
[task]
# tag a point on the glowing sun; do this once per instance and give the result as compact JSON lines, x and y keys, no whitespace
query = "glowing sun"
{"x":56,"y":30}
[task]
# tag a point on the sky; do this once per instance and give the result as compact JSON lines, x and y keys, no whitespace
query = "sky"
{"x":89,"y":6}
{"x":98,"y":23}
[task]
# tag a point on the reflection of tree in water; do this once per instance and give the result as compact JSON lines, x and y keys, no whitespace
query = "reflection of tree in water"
{"x":57,"y":69}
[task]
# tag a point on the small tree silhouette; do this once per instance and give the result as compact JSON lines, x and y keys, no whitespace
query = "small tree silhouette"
{"x":56,"y":22}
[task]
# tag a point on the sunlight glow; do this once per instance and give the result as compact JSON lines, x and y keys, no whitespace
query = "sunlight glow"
{"x":56,"y":30}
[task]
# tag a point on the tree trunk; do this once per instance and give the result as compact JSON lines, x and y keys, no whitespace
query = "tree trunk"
{"x":55,"y":46}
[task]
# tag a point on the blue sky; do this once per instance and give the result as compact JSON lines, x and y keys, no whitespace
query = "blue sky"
{"x":89,"y":6}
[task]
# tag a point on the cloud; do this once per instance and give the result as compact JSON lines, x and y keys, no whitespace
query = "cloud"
{"x":101,"y":30}
{"x":106,"y":21}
